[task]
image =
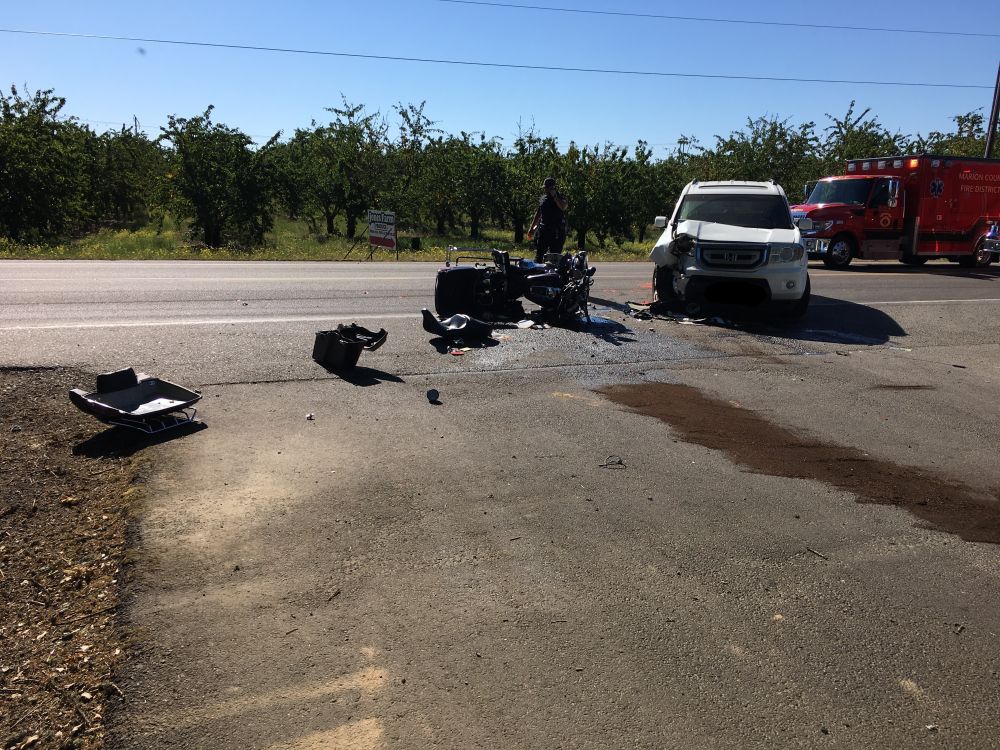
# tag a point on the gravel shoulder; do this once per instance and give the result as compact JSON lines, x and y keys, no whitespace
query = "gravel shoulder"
{"x":65,"y":504}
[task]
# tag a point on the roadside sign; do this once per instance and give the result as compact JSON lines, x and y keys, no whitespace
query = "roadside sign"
{"x":382,"y":230}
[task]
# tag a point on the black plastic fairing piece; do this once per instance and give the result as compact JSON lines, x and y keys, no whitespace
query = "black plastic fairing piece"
{"x":456,"y":327}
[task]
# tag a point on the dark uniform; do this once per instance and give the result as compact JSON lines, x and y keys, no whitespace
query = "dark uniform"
{"x":551,"y":233}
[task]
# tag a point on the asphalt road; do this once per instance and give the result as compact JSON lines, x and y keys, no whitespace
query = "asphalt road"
{"x":237,"y":322}
{"x":480,"y":574}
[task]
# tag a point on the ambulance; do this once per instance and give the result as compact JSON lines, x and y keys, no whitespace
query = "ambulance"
{"x":907,"y":208}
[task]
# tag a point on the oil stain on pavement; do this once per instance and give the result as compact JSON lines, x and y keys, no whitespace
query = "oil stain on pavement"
{"x":750,"y":440}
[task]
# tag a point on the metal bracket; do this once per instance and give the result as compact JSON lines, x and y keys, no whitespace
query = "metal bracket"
{"x":154,"y":425}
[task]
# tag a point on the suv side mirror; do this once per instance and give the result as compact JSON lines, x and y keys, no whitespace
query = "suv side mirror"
{"x":660,"y":222}
{"x":893,"y":193}
{"x":804,"y":223}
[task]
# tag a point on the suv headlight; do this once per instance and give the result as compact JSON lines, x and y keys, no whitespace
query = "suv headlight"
{"x":785,"y":254}
{"x":822,"y":226}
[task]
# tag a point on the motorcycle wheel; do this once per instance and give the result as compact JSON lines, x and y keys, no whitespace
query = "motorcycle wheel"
{"x":455,"y":291}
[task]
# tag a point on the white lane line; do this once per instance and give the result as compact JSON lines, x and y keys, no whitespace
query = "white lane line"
{"x":211,"y":322}
{"x":215,"y":279}
{"x":390,"y":316}
{"x":239,"y":279}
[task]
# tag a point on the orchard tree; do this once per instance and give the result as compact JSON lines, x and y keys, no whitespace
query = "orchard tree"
{"x":44,"y":168}
{"x":440,"y":181}
{"x":218,"y":180}
{"x":289,"y":165}
{"x":856,"y":136}
{"x":407,"y":170}
{"x":344,"y":164}
{"x":127,"y":169}
{"x":768,"y":148}
{"x":611,"y":194}
{"x":968,"y":138}
{"x":481,"y":178}
{"x":579,"y":179}
{"x":362,"y":140}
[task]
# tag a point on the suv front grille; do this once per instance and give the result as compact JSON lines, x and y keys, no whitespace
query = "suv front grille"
{"x":743,"y":255}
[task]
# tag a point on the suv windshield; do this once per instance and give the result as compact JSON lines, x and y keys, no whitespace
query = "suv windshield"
{"x":756,"y":211}
{"x":841,"y":191}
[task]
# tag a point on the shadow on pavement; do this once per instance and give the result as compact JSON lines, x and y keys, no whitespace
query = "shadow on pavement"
{"x":990,"y":273}
{"x":364,"y":376}
{"x":121,"y":441}
{"x":609,"y":331}
{"x":444,"y":346}
{"x":827,"y":320}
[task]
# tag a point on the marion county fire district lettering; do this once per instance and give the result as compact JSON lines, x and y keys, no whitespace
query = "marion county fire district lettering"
{"x":382,"y":229}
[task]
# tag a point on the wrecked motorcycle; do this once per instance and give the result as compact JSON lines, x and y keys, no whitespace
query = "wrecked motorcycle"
{"x":493,"y":285}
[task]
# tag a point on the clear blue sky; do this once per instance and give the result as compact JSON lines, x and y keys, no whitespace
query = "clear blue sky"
{"x":107,"y":82}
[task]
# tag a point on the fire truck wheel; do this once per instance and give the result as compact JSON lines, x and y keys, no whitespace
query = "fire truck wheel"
{"x":663,"y":284}
{"x":980,"y":258}
{"x":840,"y":252}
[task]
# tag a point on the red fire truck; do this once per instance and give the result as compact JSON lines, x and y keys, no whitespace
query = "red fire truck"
{"x":910,"y":208}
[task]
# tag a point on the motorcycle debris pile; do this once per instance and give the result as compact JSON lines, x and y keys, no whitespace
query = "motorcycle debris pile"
{"x":658,"y":311}
{"x":478,"y":285}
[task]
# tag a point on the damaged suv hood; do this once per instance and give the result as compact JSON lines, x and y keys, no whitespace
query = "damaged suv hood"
{"x":712,"y":232}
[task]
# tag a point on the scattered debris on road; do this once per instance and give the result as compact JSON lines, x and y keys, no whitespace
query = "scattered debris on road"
{"x":138,"y":401}
{"x":457,"y":327}
{"x":660,"y":311}
{"x":341,"y":348}
{"x":613,"y":462}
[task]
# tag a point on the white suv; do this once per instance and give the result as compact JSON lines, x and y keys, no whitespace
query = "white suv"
{"x":732,"y":243}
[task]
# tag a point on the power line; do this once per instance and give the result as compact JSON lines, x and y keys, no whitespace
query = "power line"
{"x":481,"y":64}
{"x":701,"y":19}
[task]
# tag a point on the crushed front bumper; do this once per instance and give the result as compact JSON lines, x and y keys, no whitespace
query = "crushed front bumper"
{"x":727,"y":290}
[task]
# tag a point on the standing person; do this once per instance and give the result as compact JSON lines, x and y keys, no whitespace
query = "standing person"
{"x":549,"y":224}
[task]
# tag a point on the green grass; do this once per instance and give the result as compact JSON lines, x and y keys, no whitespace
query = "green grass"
{"x":290,"y":240}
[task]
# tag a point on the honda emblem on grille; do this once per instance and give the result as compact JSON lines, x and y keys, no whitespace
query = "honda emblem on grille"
{"x":730,"y":257}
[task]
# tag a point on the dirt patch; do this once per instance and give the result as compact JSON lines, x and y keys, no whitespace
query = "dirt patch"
{"x":750,"y":440}
{"x":63,"y":523}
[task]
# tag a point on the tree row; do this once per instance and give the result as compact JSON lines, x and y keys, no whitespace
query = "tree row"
{"x":60,"y":179}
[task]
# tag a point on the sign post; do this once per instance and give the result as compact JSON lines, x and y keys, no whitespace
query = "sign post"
{"x":382,"y":232}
